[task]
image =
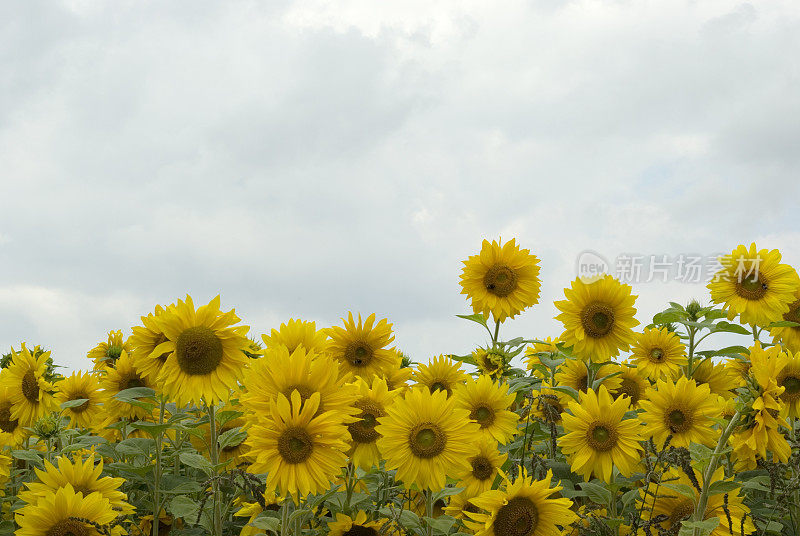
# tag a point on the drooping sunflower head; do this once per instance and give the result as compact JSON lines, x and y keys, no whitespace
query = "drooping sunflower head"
{"x":598,"y":318}
{"x":149,"y":345}
{"x":789,"y":335}
{"x":441,"y":374}
{"x":488,"y":404}
{"x":30,"y":393}
{"x":106,"y":353}
{"x":491,"y":361}
{"x":362,"y":348}
{"x":359,"y":525}
{"x":485,"y":466}
{"x":123,"y":376}
{"x":755,"y":285}
{"x":65,"y":512}
{"x":659,"y":353}
{"x":82,"y":386}
{"x":296,"y":333}
{"x":207,"y":352}
{"x":372,"y":402}
{"x":502,"y":279}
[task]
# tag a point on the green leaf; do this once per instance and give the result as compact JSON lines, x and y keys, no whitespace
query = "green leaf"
{"x":727,"y":327}
{"x":267,"y":522}
{"x":722,"y":486}
{"x":27,"y":455}
{"x":135,"y":392}
{"x":74,"y":403}
{"x":705,"y":527}
{"x":477,"y":317}
{"x":232,"y":437}
{"x":683,"y":489}
{"x":197,"y":461}
{"x":783,"y":324}
{"x":182,"y":506}
{"x":152,"y":428}
{"x":597,"y":493}
{"x":136,"y":446}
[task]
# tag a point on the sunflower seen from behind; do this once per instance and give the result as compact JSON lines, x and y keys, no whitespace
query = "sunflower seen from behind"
{"x":65,"y":512}
{"x":488,"y":404}
{"x":82,"y":386}
{"x":659,"y":353}
{"x":30,"y":393}
{"x":442,"y":373}
{"x":362,"y":347}
{"x":598,"y":318}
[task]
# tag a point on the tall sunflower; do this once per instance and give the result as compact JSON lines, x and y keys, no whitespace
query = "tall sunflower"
{"x":426,"y":437}
{"x":755,"y":285}
{"x":106,"y":353}
{"x":207,"y":356}
{"x":372,"y":403}
{"x":77,"y":386}
{"x":524,"y":508}
{"x":598,"y":318}
{"x":300,"y":451}
{"x":296,"y":333}
{"x":29,"y":392}
{"x":659,"y":353}
{"x":487,"y":402}
{"x":599,"y":437}
{"x":123,"y":376}
{"x":361,"y":347}
{"x":789,"y":335}
{"x":65,"y":512}
{"x":485,"y":466}
{"x":440,"y":374}
{"x":149,"y":346}
{"x":683,"y":410}
{"x":502,"y":279}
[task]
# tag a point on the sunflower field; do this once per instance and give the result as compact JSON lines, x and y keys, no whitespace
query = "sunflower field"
{"x":185,"y":426}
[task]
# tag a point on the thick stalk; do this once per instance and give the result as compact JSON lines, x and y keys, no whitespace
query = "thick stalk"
{"x":496,"y":331}
{"x":157,"y":470}
{"x":691,"y":352}
{"x":213,"y":451}
{"x":429,"y":509}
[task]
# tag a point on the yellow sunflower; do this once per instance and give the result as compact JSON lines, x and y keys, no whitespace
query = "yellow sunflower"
{"x":789,"y":379}
{"x":372,"y":403}
{"x":548,"y":404}
{"x":29,"y":392}
{"x":486,"y":464}
{"x":296,"y":333}
{"x":251,"y":510}
{"x":81,"y":385}
{"x":574,"y":373}
{"x":524,"y":508}
{"x":722,"y":380}
{"x":789,"y":335}
{"x":633,"y":384}
{"x":301,"y":452}
{"x":358,"y":525}
{"x":362,"y":348}
{"x":683,"y":410}
{"x":487,"y":403}
{"x":105,"y":354}
{"x":599,"y":437}
{"x":533,"y":353}
{"x":149,"y":346}
{"x":441,"y":374}
{"x":426,"y":437}
{"x":165,"y":524}
{"x":123,"y":376}
{"x":659,"y":353}
{"x":9,"y":425}
{"x":207,"y":356}
{"x":490,"y":361}
{"x":459,"y":506}
{"x":65,"y":512}
{"x":502,"y":280}
{"x":755,"y":285}
{"x":598,"y":318}
{"x":397,"y":377}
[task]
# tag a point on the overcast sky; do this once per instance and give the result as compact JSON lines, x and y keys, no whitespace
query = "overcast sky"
{"x":309,"y":158}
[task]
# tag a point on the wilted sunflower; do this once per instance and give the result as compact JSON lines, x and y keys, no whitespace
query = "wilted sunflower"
{"x":355,"y":526}
{"x":789,"y":379}
{"x":80,"y":475}
{"x":633,"y":384}
{"x":149,"y":346}
{"x":300,"y":451}
{"x":575,"y":373}
{"x":789,"y":335}
{"x":486,"y":464}
{"x":123,"y":376}
{"x":207,"y":356}
{"x":599,"y":437}
{"x":523,"y":508}
{"x":29,"y":392}
{"x":105,"y":354}
{"x":81,"y":385}
{"x":372,"y":403}
{"x":598,"y":318}
{"x":502,"y":279}
{"x":440,"y":374}
{"x":487,"y":403}
{"x":659,"y":353}
{"x":426,"y":437}
{"x":296,"y":333}
{"x":755,"y":285}
{"x":362,"y":348}
{"x":683,"y":410}
{"x":64,"y":512}
{"x":9,"y":425}
{"x":534,"y":352}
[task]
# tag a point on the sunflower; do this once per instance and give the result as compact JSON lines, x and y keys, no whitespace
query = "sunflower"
{"x":296,"y":333}
{"x":659,"y":353}
{"x":459,"y":506}
{"x":80,"y":475}
{"x":426,"y":437}
{"x":486,"y":464}
{"x":165,"y":524}
{"x":502,"y":280}
{"x":65,"y":512}
{"x":683,"y":410}
{"x":149,"y":345}
{"x":362,"y":348}
{"x":207,"y":356}
{"x":533,"y":353}
{"x":279,"y":372}
{"x":81,"y":385}
{"x":440,"y":374}
{"x":105,"y":354}
{"x":487,"y":403}
{"x":548,"y":404}
{"x":358,"y":525}
{"x":372,"y":402}
{"x":8,"y":425}
{"x":599,"y":437}
{"x":732,"y":513}
{"x":300,"y":451}
{"x":789,"y":335}
{"x":633,"y":384}
{"x":598,"y":318}
{"x":29,"y":392}
{"x":397,"y":377}
{"x":252,"y":510}
{"x":123,"y":376}
{"x":415,"y":502}
{"x":575,"y":373}
{"x":523,"y":508}
{"x":490,"y":361}
{"x":789,"y":379}
{"x":722,"y":380}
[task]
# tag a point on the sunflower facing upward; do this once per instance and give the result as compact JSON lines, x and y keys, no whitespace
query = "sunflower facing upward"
{"x":598,"y":318}
{"x":488,"y":403}
{"x":659,"y":353}
{"x":502,"y":280}
{"x":207,"y":356}
{"x":81,"y":385}
{"x":29,"y":392}
{"x":361,"y":347}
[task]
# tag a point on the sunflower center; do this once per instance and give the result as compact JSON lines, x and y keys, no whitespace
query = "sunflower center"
{"x":518,"y":517}
{"x":427,"y":440}
{"x":751,"y":287}
{"x":199,"y":351}
{"x":484,"y":415}
{"x":793,"y":315}
{"x":69,"y":527}
{"x":791,"y":385}
{"x":359,"y":354}
{"x":630,"y":388}
{"x":482,"y":468}
{"x":30,"y":386}
{"x":134,"y":380}
{"x":363,"y":431}
{"x":500,"y":280}
{"x":295,"y":445}
{"x":83,"y":407}
{"x":360,"y":530}
{"x":657,"y":355}
{"x":7,"y":424}
{"x":601,"y":438}
{"x":583,"y":383}
{"x":597,"y":319}
{"x":678,"y":421}
{"x":681,"y":512}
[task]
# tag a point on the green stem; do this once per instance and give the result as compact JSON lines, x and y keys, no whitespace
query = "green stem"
{"x":496,"y":331}
{"x":691,"y":352}
{"x":429,"y":509}
{"x":213,"y":450}
{"x":350,"y":486}
{"x":157,"y":470}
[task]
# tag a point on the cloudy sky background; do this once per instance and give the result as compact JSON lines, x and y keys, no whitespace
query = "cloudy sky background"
{"x":308,"y":158}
